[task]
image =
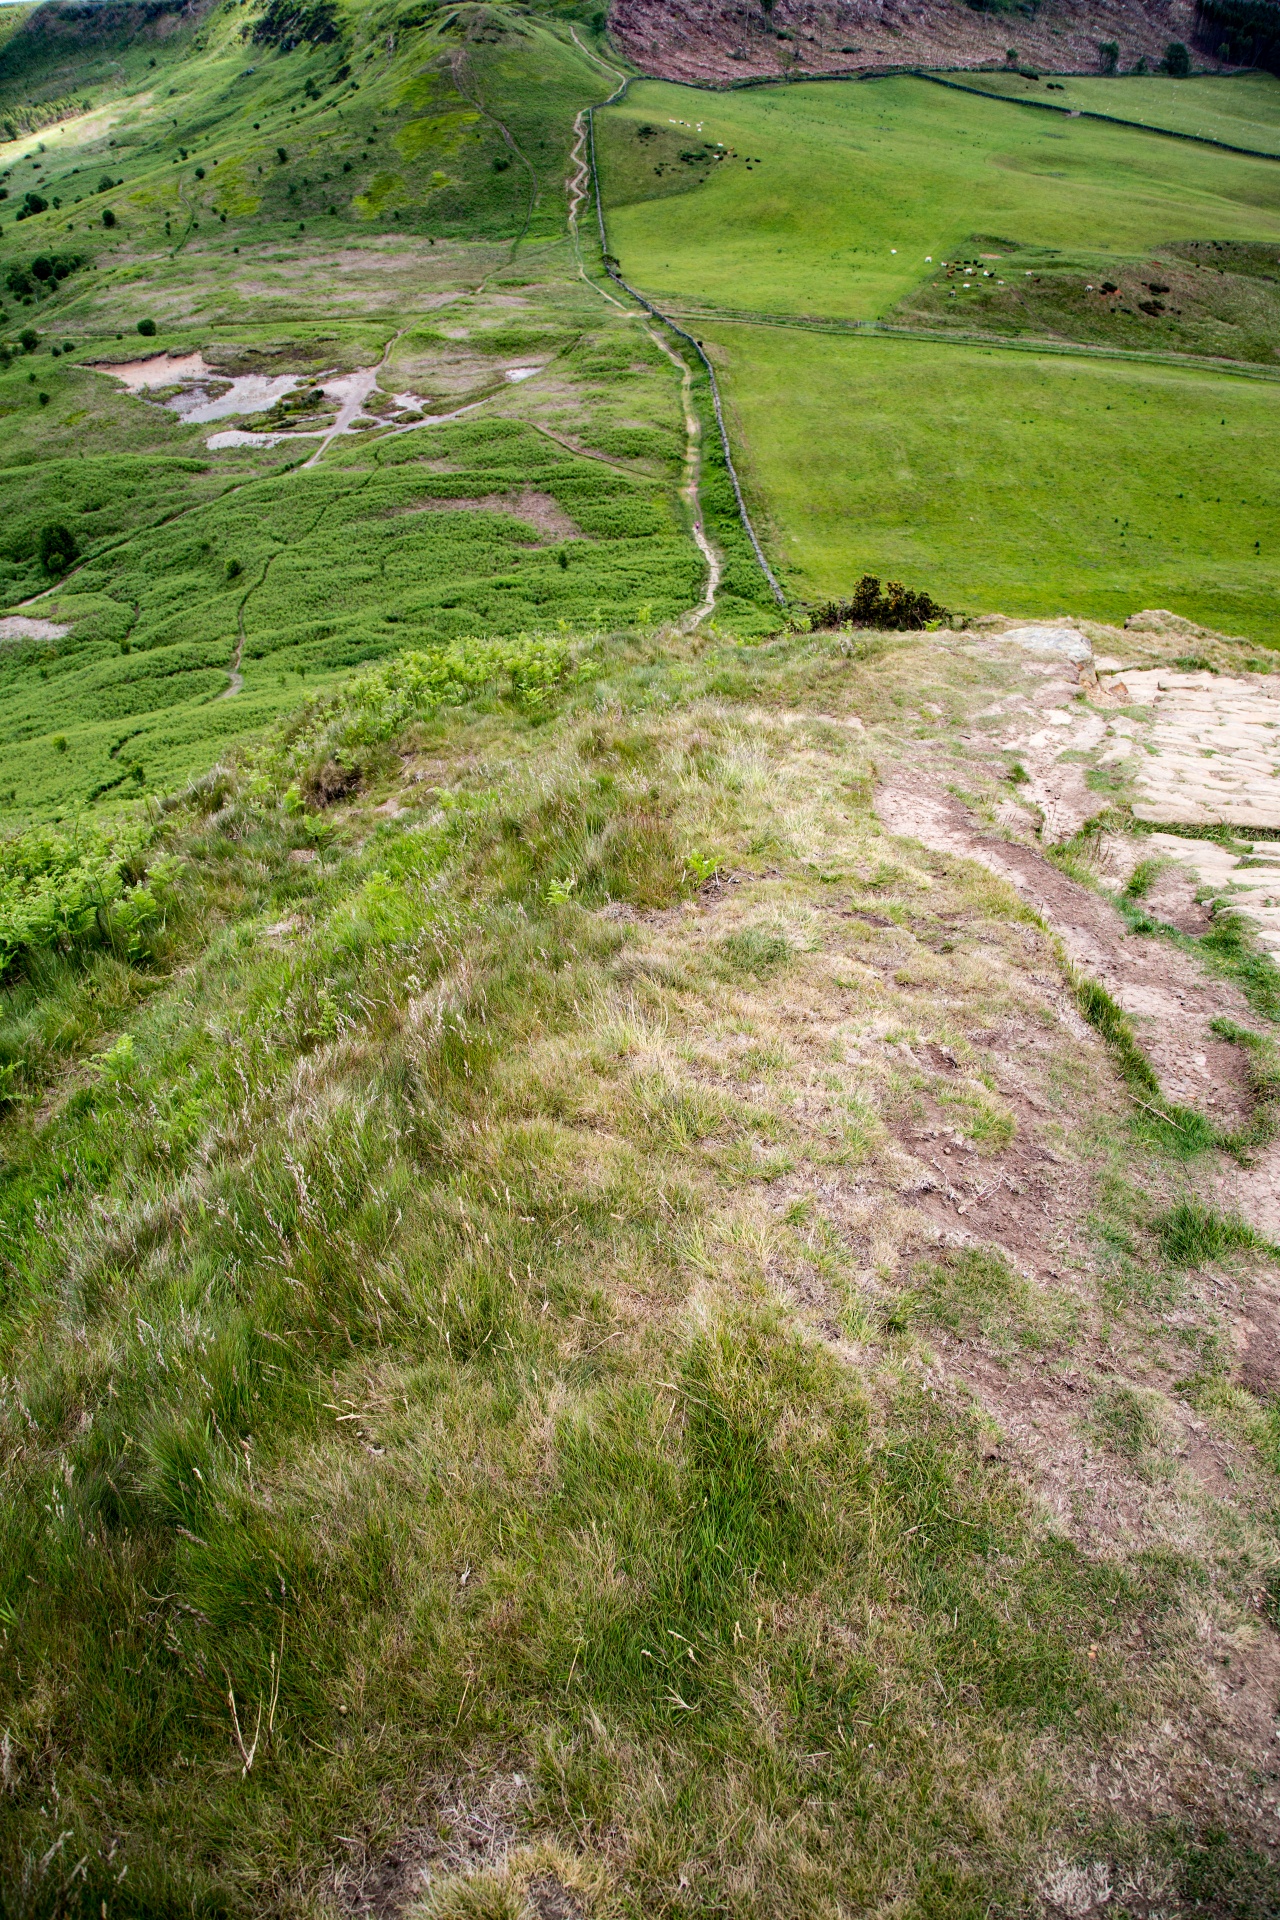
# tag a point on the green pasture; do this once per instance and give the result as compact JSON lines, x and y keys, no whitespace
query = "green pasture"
{"x":1012,"y":481}
{"x":851,"y":187}
{"x":1242,"y":109}
{"x":1206,"y":298}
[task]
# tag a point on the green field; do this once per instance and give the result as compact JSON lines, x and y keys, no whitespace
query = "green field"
{"x":1243,"y":110}
{"x":996,"y":478}
{"x":1019,"y":482}
{"x":855,"y":185}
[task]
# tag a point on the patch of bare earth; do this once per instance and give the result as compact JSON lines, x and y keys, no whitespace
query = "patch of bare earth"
{"x":465,"y":1826}
{"x":1168,"y":997}
{"x":540,"y":510}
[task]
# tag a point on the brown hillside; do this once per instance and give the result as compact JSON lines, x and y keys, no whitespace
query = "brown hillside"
{"x":720,"y":41}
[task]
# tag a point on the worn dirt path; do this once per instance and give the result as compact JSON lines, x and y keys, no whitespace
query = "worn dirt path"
{"x":1169,"y":998}
{"x":689,"y":489}
{"x":577,"y":187}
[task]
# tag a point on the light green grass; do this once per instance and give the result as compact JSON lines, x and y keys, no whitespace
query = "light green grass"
{"x":851,"y":171}
{"x":1242,"y":109}
{"x":1032,"y":484}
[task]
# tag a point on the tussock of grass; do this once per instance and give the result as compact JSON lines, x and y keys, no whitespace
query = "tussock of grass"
{"x":1123,"y":1420}
{"x":1192,"y":1234}
{"x":1186,"y":1128}
{"x":755,"y":951}
{"x":977,"y":1292}
{"x":1109,"y":1020}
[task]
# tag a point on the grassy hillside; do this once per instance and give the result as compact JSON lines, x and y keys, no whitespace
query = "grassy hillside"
{"x":836,"y":196}
{"x":1240,"y":109}
{"x":480,"y":1435}
{"x":1000,"y":480}
{"x":1033,"y":483}
{"x":586,"y":1332}
{"x":292,"y":216}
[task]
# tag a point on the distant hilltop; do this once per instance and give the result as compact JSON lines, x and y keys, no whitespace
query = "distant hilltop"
{"x":722,"y":42}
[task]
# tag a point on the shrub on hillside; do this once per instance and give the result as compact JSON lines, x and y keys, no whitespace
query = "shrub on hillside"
{"x":1177,"y":61}
{"x":57,"y":548}
{"x":340,"y":732}
{"x":897,"y":608}
{"x":41,"y":275}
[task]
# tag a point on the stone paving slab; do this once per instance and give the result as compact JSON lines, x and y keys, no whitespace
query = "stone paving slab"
{"x":1211,"y":753}
{"x":1248,"y":882}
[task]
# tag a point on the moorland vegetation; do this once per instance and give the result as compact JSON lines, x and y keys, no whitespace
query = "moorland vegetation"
{"x":242,"y":186}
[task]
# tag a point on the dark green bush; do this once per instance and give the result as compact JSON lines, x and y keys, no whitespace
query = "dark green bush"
{"x":898,"y":607}
{"x":57,"y":548}
{"x":1177,"y":61}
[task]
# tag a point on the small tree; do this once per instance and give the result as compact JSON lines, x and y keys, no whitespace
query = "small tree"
{"x":58,"y":549}
{"x":1109,"y":55}
{"x":108,"y":218}
{"x":1177,"y":61}
{"x":147,"y":328}
{"x":29,"y":339}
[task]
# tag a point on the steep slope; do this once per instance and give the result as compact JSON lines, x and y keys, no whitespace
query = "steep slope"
{"x":636,"y":1264}
{"x":724,"y":42}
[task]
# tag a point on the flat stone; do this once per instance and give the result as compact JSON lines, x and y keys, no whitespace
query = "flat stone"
{"x":1064,"y":641}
